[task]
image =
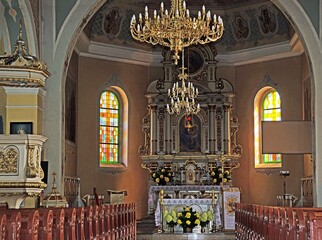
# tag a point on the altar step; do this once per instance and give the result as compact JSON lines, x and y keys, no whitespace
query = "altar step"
{"x":146,"y":226}
{"x":146,"y":230}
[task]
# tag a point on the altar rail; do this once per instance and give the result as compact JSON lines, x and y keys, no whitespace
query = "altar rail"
{"x":264,"y":222}
{"x":109,"y":222}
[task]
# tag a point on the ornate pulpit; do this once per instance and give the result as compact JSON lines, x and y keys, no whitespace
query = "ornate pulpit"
{"x":20,"y":171}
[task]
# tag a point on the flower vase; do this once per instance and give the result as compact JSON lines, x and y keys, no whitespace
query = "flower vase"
{"x":187,"y":230}
{"x":203,"y":229}
{"x":171,"y":229}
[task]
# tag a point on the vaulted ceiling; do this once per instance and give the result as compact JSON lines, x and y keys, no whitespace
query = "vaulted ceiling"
{"x":248,"y":23}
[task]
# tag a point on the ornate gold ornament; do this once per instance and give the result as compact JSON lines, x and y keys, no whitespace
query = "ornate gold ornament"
{"x":230,"y":204}
{"x":22,"y":185}
{"x":176,"y":29}
{"x":21,"y":69}
{"x":31,"y":168}
{"x":9,"y":160}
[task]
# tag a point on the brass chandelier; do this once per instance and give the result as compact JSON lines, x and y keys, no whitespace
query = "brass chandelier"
{"x":182,"y":96}
{"x":176,"y":29}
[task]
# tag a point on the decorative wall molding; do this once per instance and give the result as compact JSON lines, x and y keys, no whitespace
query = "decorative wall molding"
{"x":87,"y":48}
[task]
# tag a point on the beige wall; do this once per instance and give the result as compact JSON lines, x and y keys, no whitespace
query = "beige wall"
{"x":93,"y":77}
{"x":258,"y":187}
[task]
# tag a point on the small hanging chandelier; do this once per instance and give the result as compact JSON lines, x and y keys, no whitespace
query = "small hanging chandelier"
{"x":176,"y":29}
{"x":182,"y":96}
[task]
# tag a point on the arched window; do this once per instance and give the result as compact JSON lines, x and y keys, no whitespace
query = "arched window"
{"x":109,"y":128}
{"x":113,"y":128}
{"x":267,"y":108}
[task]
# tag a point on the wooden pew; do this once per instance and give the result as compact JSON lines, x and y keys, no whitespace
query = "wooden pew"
{"x":3,"y":226}
{"x":13,"y":223}
{"x":111,"y":222}
{"x":95,"y":222}
{"x":101,"y":222}
{"x":108,"y":225}
{"x":46,"y":218}
{"x":315,"y":225}
{"x":29,"y":224}
{"x":70,"y":224}
{"x":59,"y":223}
{"x":278,"y":223}
{"x":80,"y":225}
{"x":88,"y":223}
{"x":133,"y":221}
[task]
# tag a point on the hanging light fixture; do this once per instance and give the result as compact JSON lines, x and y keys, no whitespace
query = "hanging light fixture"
{"x":176,"y":29}
{"x":182,"y":96}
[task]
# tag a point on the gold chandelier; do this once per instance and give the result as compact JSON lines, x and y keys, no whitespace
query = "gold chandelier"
{"x":183,"y":96}
{"x":176,"y":29}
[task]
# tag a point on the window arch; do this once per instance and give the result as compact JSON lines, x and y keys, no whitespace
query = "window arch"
{"x":113,"y":122}
{"x":267,"y":107}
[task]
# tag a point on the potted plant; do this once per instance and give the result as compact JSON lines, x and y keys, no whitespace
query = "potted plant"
{"x":205,"y":218}
{"x":188,"y":219}
{"x":171,"y":219}
{"x":218,"y":176}
{"x":162,"y":176}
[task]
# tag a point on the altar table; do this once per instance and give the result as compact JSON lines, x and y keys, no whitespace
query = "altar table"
{"x":178,"y":192}
{"x":199,"y":205}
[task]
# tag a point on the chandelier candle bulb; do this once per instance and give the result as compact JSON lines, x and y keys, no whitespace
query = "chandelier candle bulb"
{"x":220,"y":21}
{"x":208,"y":15}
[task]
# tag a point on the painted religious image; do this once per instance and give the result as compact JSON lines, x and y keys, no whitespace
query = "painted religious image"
{"x":267,"y":21}
{"x":190,"y":134}
{"x":112,"y":22}
{"x":241,"y":29}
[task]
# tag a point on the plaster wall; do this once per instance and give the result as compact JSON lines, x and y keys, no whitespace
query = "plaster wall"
{"x":261,"y":186}
{"x":94,"y":75}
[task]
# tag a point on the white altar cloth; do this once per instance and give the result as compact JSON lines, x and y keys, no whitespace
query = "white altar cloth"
{"x":154,"y":192}
{"x":199,"y":205}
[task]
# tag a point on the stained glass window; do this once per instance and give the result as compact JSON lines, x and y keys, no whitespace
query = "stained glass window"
{"x":272,"y":112}
{"x":109,"y":128}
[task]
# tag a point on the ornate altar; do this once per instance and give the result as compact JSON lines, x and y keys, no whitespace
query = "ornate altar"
{"x":190,"y":152}
{"x":190,"y":149}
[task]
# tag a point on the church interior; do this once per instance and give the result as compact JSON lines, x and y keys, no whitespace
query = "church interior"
{"x":104,"y":117}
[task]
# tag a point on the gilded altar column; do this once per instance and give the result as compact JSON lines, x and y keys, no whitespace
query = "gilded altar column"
{"x":154,"y":119}
{"x":212,"y":126}
{"x":219,"y":129}
{"x":168,"y":139}
{"x":226,"y":121}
